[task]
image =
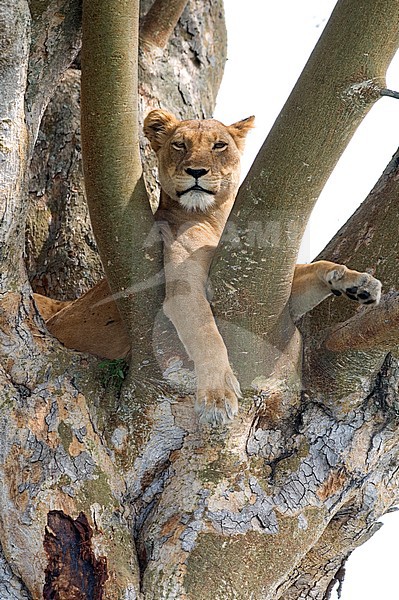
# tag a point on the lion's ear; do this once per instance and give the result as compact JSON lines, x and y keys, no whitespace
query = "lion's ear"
{"x":157,"y":125}
{"x":239,"y":131}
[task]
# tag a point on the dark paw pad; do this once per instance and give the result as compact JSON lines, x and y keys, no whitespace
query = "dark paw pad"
{"x":351,"y":296}
{"x":352,"y":290}
{"x":364,"y":296}
{"x":360,"y":287}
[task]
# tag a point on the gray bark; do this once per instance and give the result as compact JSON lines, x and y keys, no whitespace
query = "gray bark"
{"x":15,"y":40}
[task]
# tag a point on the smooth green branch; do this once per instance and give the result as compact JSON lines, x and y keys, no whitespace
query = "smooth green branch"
{"x":160,"y":21}
{"x":119,"y":208}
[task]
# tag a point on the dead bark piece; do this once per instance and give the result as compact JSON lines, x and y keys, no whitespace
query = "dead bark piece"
{"x":48,"y":307}
{"x":73,"y":571}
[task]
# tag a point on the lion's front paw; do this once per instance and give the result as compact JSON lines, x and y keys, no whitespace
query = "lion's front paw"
{"x":217,"y":396}
{"x":362,"y":287}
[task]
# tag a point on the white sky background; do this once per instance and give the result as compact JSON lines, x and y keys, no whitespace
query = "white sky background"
{"x":269,"y":43}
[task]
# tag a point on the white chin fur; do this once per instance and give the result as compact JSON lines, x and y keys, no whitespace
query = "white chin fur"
{"x":193,"y":201}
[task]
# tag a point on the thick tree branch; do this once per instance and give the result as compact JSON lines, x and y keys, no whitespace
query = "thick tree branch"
{"x":338,"y":86}
{"x":160,"y":22}
{"x":350,"y":356}
{"x":56,"y":40}
{"x":369,"y":240}
{"x":118,"y":203}
{"x":324,"y":566}
{"x":14,"y":44}
{"x":373,"y":328}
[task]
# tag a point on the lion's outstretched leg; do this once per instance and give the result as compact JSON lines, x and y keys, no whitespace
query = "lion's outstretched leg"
{"x":217,"y":386}
{"x":316,"y":281}
{"x":187,"y":306}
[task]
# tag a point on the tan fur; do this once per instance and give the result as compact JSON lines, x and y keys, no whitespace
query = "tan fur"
{"x":204,"y":155}
{"x":49,"y":307}
{"x":90,"y":324}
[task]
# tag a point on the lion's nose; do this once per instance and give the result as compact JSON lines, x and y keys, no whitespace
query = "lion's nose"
{"x":197,"y":173}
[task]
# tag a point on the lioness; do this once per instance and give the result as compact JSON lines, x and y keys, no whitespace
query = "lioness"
{"x":199,"y":170}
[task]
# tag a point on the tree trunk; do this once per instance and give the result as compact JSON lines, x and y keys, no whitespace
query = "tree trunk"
{"x":112,"y":486}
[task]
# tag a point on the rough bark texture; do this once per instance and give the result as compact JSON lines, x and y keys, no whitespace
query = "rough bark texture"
{"x":15,"y":39}
{"x":51,"y":457}
{"x":61,"y":253}
{"x":160,"y":21}
{"x":370,"y":242}
{"x":146,"y":503}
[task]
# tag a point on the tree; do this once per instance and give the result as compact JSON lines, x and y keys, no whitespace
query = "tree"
{"x":117,"y":492}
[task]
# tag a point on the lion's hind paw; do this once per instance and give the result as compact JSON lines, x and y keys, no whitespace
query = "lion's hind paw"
{"x":361,"y":287}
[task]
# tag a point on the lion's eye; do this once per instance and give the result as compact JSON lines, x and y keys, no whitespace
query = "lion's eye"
{"x":179,"y":145}
{"x":220,"y":145}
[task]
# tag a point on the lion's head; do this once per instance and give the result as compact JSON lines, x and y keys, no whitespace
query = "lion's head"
{"x":199,"y":161}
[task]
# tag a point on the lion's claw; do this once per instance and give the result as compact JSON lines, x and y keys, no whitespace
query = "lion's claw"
{"x":217,"y":398}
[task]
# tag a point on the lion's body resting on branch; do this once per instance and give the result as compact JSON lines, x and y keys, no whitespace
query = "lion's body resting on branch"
{"x":199,"y":170}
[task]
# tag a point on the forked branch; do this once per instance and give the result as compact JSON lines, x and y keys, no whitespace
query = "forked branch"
{"x":338,"y":86}
{"x":160,"y":21}
{"x":345,"y":351}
